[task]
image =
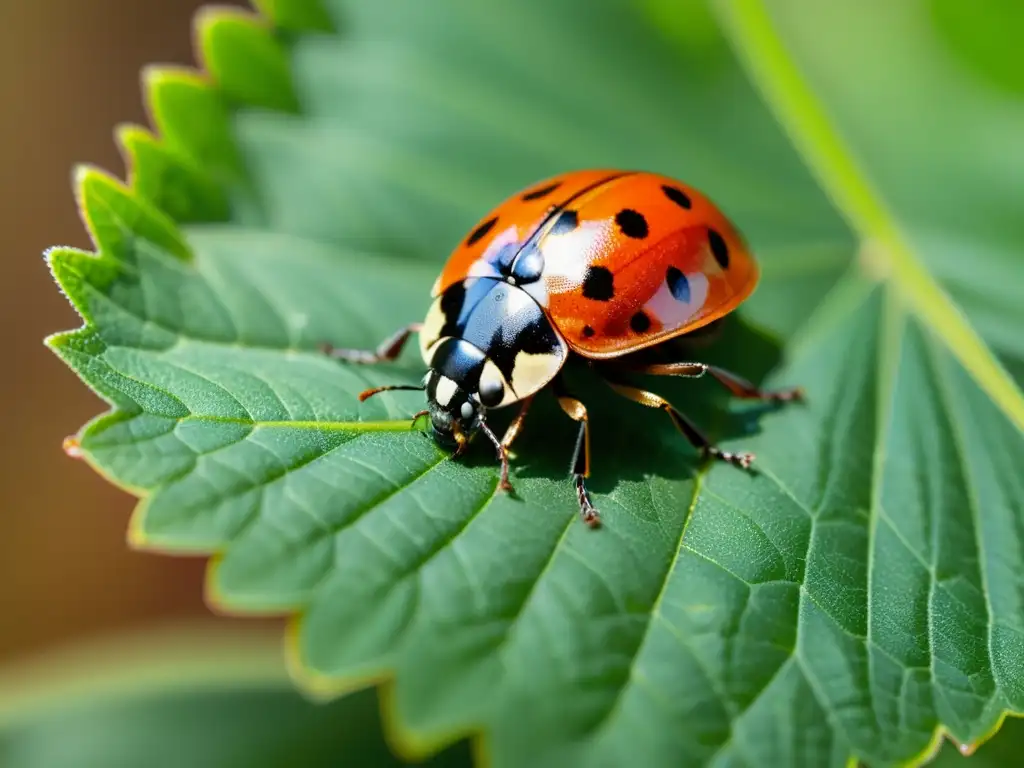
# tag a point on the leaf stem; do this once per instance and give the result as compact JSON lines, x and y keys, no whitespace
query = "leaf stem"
{"x":758,"y":46}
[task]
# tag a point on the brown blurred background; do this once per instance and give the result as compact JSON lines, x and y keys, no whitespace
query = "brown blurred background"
{"x":68,"y":74}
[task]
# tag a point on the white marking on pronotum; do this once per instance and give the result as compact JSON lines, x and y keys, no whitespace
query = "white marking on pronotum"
{"x":430,"y":333}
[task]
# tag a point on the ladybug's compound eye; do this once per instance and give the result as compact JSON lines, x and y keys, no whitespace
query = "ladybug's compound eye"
{"x":467,"y":411}
{"x":492,"y":392}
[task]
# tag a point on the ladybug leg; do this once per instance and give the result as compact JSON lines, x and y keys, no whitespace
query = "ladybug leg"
{"x":576,"y":411}
{"x":697,"y":438}
{"x":687,"y":370}
{"x":387,"y":350}
{"x":744,"y":390}
{"x":503,"y":445}
{"x":512,"y":433}
{"x":739,"y":386}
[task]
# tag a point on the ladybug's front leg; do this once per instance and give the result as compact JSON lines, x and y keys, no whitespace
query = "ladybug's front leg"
{"x":388,"y":350}
{"x":505,"y":443}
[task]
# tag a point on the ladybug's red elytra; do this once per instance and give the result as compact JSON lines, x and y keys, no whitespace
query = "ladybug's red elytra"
{"x":598,"y":264}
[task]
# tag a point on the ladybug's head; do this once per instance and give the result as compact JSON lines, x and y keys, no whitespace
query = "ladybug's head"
{"x":455,"y":414}
{"x":456,"y":404}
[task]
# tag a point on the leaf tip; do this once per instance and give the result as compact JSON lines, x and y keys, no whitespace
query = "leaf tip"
{"x":72,"y":447}
{"x":208,"y":18}
{"x":127,"y":137}
{"x":87,"y":180}
{"x":416,"y":746}
{"x":83,"y":175}
{"x":241,"y":54}
{"x":57,"y":256}
{"x":213,"y":594}
{"x":155,"y":76}
{"x":303,"y":16}
{"x":57,"y":341}
{"x":315,"y":684}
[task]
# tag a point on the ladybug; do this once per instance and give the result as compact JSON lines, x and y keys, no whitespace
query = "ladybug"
{"x":598,"y":264}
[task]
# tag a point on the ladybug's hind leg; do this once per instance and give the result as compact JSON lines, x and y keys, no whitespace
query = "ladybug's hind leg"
{"x":697,"y":438}
{"x":576,"y":411}
{"x":386,"y":351}
{"x":744,"y":390}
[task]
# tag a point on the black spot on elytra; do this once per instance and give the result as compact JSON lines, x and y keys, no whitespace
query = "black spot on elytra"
{"x":632,"y":223}
{"x":537,"y":194}
{"x":640,"y":322}
{"x":678,"y":284}
{"x":598,"y":284}
{"x":718,"y":248}
{"x":677,"y":196}
{"x":587,"y":331}
{"x":567,"y":221}
{"x":482,"y":230}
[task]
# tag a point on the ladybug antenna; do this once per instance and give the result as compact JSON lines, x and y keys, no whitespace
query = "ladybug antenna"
{"x":376,"y":390}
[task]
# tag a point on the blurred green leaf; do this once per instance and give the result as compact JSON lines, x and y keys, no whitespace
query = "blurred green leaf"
{"x":938,"y":153}
{"x":860,"y":590}
{"x":197,"y":699}
{"x":986,"y":37}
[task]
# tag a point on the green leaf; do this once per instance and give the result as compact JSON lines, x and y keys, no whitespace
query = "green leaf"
{"x":857,"y":596}
{"x":1003,"y":750}
{"x":192,"y":698}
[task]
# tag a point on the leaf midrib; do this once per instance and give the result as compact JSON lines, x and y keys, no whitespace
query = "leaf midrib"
{"x":393,"y":425}
{"x":749,"y":26}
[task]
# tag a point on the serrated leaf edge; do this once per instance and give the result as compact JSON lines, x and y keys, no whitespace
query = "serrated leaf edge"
{"x":400,"y":740}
